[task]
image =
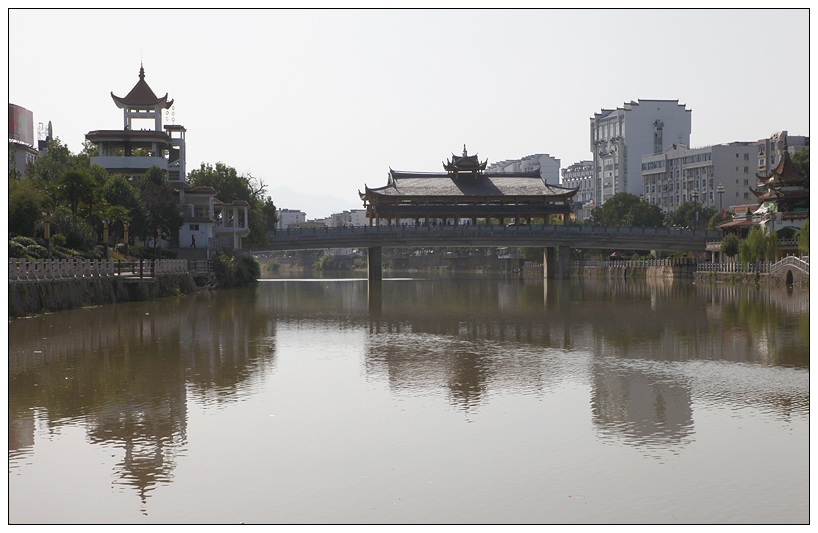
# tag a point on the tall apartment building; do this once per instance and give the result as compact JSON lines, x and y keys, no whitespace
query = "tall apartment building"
{"x":680,"y":174}
{"x":771,"y":149}
{"x":621,"y":137}
{"x":581,"y":176}
{"x":548,"y":166}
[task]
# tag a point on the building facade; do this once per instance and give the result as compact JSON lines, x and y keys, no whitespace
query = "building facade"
{"x":620,"y":137}
{"x":716,"y":176}
{"x":21,"y":140}
{"x":548,"y":166}
{"x":290,"y":218}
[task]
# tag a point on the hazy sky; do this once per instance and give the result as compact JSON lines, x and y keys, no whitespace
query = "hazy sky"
{"x":326,"y":101}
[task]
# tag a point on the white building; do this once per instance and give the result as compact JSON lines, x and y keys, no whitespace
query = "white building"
{"x":680,"y":174}
{"x":621,"y":137}
{"x":548,"y":166}
{"x":290,"y":217}
{"x":581,"y":176}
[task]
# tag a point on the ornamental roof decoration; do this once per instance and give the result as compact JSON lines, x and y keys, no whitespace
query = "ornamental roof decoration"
{"x":141,"y":96}
{"x":465,"y":163}
{"x":784,"y":174}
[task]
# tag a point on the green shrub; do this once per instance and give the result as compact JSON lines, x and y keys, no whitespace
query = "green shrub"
{"x":25,"y":241}
{"x":78,"y":235}
{"x":58,"y":240}
{"x":233,"y":271}
{"x":272,"y":266}
{"x":17,"y":250}
{"x":36,"y":251}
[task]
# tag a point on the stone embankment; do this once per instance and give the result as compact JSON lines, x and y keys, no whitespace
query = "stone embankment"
{"x":50,"y":285}
{"x":672,"y":268}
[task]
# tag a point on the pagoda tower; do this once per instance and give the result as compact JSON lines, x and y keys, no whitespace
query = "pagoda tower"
{"x":783,"y":197}
{"x":132,"y":150}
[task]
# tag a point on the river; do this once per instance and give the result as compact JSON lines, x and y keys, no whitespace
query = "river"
{"x":444,"y":400}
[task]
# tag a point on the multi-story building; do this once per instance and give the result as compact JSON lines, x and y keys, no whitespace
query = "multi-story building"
{"x":621,"y":137}
{"x":716,"y":176}
{"x":21,"y":140}
{"x":548,"y":166}
{"x":290,"y":217}
{"x":580,"y":176}
{"x":131,"y":151}
{"x":771,"y":149}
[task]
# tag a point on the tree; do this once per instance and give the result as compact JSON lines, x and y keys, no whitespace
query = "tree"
{"x":160,"y":203}
{"x":118,"y":192}
{"x":772,"y":247}
{"x":26,"y":205}
{"x":691,"y":215}
{"x":756,"y":245}
{"x":803,"y":238}
{"x":625,"y":209}
{"x":231,"y":186}
{"x":76,"y":185}
{"x":730,"y":245}
{"x":270,"y":213}
{"x":801,"y":161}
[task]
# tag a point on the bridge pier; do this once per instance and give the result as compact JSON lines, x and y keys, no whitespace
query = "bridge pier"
{"x":557,"y":262}
{"x":374,"y":263}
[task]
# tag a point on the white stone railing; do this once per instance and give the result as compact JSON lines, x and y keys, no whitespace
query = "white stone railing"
{"x":669,"y":261}
{"x":735,"y":266}
{"x":53,"y":269}
{"x":792,"y":261}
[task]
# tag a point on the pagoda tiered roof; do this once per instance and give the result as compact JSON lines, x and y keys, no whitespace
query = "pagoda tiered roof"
{"x":141,"y":96}
{"x":784,"y":174}
{"x":464,"y":163}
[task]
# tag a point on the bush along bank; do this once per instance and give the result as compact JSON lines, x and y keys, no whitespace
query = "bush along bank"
{"x":232,"y":270}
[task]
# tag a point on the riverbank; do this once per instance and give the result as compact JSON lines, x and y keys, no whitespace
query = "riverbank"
{"x":46,"y":296}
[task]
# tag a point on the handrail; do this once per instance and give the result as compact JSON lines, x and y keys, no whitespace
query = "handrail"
{"x":791,"y":261}
{"x":61,"y":269}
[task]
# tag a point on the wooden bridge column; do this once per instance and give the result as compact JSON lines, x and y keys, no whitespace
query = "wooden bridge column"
{"x":374,"y":262}
{"x":549,"y":263}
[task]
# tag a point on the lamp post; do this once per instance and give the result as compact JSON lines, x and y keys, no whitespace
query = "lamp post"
{"x":105,"y":236}
{"x":47,"y":232}
{"x":695,"y":195}
{"x":720,"y":190}
{"x":125,"y":239}
{"x":159,"y":243}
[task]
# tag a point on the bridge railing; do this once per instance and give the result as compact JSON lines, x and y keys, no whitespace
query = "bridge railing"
{"x":737,"y":266}
{"x":669,"y":261}
{"x":57,"y":269}
{"x":469,"y":230}
{"x":791,"y":261}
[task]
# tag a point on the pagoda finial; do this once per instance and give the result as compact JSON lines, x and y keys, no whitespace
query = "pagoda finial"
{"x":141,"y":71}
{"x":464,"y":151}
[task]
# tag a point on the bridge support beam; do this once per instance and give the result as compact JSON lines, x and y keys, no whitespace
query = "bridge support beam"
{"x":557,"y":262}
{"x":549,"y":263}
{"x":374,"y":262}
{"x":565,"y":262}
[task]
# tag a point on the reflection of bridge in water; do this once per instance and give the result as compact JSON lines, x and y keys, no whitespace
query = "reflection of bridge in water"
{"x":556,"y":240}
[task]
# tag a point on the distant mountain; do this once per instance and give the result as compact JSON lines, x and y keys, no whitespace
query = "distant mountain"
{"x":314,"y":205}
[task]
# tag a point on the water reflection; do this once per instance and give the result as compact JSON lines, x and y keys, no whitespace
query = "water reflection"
{"x":645,"y":351}
{"x":127,"y":372}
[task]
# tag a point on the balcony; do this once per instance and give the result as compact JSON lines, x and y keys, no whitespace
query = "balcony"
{"x":129,"y":162}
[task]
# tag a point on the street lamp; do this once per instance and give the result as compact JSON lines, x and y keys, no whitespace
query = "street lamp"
{"x":125,"y":225}
{"x":720,"y":190}
{"x":47,"y":232}
{"x":159,"y":243}
{"x":105,"y":236}
{"x":695,"y":195}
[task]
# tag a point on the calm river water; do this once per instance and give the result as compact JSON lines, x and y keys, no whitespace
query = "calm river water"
{"x":430,"y":401}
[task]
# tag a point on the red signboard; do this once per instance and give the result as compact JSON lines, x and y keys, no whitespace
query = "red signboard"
{"x":21,"y":124}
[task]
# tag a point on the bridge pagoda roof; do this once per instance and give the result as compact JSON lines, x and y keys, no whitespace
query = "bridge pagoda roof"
{"x":141,"y":96}
{"x":416,"y":185}
{"x":784,"y":174}
{"x":465,"y":163}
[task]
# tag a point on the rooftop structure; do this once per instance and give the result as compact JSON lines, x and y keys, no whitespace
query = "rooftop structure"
{"x":476,"y":195}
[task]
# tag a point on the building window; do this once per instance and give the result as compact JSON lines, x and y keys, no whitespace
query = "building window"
{"x":746,"y":170}
{"x":194,"y":227}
